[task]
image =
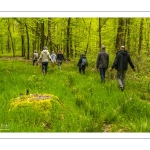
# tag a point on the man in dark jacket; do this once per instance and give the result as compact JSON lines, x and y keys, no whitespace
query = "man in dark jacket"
{"x":102,"y":63}
{"x":59,"y":58}
{"x":121,"y":65}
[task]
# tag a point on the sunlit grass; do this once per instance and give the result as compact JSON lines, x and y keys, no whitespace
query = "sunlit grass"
{"x":88,"y":105}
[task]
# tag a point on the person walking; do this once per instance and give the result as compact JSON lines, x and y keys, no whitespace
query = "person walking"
{"x":45,"y":56}
{"x":102,"y":63}
{"x":60,"y":57}
{"x":53,"y":58}
{"x":121,"y":62}
{"x":82,"y":63}
{"x":35,"y":57}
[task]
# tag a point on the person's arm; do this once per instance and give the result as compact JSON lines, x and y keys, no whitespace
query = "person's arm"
{"x":131,"y":63}
{"x":107,"y":61}
{"x":39,"y":58}
{"x":79,"y":62}
{"x":64,"y":58}
{"x":115,"y":63}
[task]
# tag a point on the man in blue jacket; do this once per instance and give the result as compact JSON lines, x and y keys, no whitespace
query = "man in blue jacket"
{"x":121,"y":65}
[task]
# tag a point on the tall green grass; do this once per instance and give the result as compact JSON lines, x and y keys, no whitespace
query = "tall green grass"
{"x":88,"y":105}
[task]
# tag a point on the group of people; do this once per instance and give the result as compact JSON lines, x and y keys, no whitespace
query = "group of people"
{"x":120,"y":63}
{"x":45,"y":57}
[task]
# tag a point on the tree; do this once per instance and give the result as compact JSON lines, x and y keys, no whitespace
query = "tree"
{"x":68,"y":38}
{"x":120,"y":39}
{"x":140,"y":36}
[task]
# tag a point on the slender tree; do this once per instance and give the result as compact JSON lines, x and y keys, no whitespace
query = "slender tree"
{"x":68,"y":38}
{"x":28,"y":46}
{"x":42,"y":34}
{"x":140,"y":36}
{"x":120,"y":39}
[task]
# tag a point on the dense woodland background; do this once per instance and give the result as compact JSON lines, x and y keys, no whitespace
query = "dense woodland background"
{"x":20,"y":36}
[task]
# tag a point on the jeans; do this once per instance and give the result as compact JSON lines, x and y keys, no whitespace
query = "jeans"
{"x":44,"y":67}
{"x":102,"y":74}
{"x":59,"y":64}
{"x":121,"y":77}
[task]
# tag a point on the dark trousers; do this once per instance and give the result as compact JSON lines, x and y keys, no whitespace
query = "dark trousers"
{"x":34,"y":61}
{"x":102,"y":74}
{"x":44,"y":67}
{"x":82,"y":70}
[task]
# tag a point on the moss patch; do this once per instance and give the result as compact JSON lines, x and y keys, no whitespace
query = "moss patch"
{"x":35,"y":108}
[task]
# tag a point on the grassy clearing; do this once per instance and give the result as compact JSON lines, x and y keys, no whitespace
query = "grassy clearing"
{"x":88,"y":105}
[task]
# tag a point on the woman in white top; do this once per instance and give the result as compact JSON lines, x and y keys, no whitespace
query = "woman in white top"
{"x":45,"y":56}
{"x":53,"y":58}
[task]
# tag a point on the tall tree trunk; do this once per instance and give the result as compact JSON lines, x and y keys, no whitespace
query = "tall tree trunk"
{"x":71,"y":49}
{"x":28,"y":46}
{"x":42,"y":35}
{"x":23,"y":45}
{"x":140,"y":36}
{"x":8,"y":47}
{"x":120,"y":40}
{"x":99,"y":31}
{"x":12,"y":43}
{"x":34,"y":39}
{"x":68,"y":37}
{"x":88,"y":40}
{"x":128,"y":22}
{"x":49,"y":35}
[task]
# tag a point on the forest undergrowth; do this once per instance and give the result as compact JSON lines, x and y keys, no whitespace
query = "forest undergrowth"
{"x":87,"y":105}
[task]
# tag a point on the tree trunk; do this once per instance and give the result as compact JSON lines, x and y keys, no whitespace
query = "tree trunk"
{"x":28,"y":46}
{"x":8,"y":47}
{"x":88,"y":40}
{"x":128,"y":22}
{"x":49,"y":35}
{"x":140,"y":36}
{"x":99,"y":31}
{"x":42,"y":35}
{"x":12,"y":43}
{"x":23,"y":45}
{"x":120,"y":40}
{"x":68,"y":38}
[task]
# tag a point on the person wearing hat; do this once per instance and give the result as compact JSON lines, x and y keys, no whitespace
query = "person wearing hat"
{"x":102,"y":63}
{"x":121,"y":65}
{"x":35,"y":57}
{"x":45,"y":57}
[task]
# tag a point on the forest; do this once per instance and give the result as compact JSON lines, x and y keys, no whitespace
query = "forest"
{"x":72,"y":102}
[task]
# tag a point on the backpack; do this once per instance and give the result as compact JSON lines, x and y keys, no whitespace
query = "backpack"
{"x":84,"y":62}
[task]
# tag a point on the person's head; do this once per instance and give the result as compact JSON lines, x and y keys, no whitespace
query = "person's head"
{"x":103,"y":47}
{"x":82,"y":55}
{"x":45,"y":48}
{"x":59,"y":52}
{"x":35,"y":51}
{"x":122,"y":48}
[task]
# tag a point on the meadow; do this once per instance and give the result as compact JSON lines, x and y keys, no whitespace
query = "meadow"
{"x":87,"y":104}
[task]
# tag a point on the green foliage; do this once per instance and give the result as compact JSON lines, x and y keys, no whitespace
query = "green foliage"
{"x":82,"y":104}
